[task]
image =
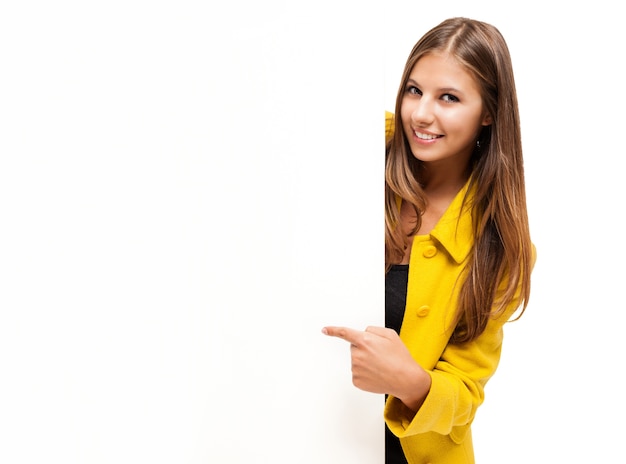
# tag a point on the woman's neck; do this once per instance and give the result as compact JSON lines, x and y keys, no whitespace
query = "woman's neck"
{"x":444,"y":182}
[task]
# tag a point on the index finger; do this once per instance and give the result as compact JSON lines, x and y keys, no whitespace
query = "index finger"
{"x":350,"y":335}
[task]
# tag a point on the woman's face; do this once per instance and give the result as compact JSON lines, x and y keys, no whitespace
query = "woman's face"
{"x":442,"y":111}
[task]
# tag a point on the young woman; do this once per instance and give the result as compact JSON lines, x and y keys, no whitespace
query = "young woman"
{"x":457,"y":244}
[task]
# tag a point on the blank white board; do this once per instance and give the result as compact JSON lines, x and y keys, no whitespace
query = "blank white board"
{"x":189,"y":193}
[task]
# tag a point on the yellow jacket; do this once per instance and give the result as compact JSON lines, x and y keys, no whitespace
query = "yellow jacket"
{"x":390,"y":125}
{"x":439,"y":432}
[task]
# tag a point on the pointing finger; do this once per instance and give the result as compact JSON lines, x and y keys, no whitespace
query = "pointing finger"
{"x":350,"y":335}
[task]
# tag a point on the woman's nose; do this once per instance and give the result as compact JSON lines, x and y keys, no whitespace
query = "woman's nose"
{"x":423,"y":113}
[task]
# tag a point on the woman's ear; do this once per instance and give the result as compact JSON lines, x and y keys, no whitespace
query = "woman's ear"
{"x":487,"y":121}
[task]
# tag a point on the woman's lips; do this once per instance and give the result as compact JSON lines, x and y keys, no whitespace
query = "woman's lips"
{"x":425,"y":136}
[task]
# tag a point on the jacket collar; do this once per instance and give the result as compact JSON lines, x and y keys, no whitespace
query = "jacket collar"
{"x":454,"y":230}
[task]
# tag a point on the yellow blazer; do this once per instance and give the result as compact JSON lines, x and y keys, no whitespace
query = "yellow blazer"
{"x":439,"y":432}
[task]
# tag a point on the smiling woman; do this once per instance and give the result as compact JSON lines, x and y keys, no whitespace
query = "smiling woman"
{"x":458,"y":253}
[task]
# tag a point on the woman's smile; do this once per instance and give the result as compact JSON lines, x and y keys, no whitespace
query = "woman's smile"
{"x":426,"y":137}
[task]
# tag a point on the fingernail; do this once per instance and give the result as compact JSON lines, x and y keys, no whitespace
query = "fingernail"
{"x":325,"y":331}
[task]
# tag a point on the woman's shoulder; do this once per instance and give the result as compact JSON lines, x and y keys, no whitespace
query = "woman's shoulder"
{"x":389,"y":126}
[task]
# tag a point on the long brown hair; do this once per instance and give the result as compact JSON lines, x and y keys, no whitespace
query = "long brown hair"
{"x":498,"y":270}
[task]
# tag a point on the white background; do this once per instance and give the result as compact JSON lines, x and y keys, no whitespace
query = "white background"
{"x":188,"y":193}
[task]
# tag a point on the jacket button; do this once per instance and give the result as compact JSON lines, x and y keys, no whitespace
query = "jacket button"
{"x":430,"y":251}
{"x":423,"y":311}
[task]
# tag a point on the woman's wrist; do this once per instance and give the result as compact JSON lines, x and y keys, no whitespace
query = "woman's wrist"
{"x":415,"y":388}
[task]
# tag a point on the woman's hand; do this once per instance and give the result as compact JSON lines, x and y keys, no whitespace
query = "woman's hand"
{"x":381,"y":363}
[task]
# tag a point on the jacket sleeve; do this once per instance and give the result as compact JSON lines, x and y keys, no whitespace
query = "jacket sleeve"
{"x":457,"y":389}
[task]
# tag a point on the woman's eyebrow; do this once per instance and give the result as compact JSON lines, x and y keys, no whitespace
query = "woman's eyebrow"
{"x":440,"y":89}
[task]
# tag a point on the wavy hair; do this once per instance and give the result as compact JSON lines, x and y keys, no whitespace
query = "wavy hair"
{"x":497,"y":273}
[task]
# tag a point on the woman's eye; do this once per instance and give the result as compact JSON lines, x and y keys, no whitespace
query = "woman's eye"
{"x":412,"y":90}
{"x":449,"y":98}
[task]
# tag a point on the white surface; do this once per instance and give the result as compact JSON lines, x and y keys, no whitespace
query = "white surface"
{"x":187,"y":196}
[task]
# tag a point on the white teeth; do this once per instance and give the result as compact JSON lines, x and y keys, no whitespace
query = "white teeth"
{"x":419,"y":135}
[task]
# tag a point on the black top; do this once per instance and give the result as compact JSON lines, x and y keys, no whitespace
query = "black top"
{"x":395,"y":295}
{"x":395,"y":301}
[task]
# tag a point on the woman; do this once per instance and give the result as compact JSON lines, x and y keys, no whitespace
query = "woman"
{"x":457,"y":244}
